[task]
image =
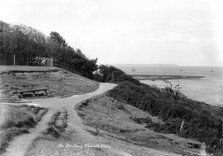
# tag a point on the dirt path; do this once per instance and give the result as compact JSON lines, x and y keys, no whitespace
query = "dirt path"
{"x":20,"y":144}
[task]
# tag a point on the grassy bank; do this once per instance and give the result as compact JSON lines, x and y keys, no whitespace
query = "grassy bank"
{"x":18,"y":69}
{"x":201,"y":121}
{"x":117,"y":120}
{"x":57,"y":124}
{"x":17,"y":121}
{"x":58,"y":82}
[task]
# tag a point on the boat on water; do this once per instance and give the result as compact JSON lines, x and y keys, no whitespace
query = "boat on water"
{"x":133,"y":70}
{"x":178,"y":86}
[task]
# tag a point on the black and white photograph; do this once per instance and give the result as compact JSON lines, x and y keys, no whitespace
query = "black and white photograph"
{"x":111,"y":78}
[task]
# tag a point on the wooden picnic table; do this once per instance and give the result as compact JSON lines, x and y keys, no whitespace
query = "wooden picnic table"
{"x":32,"y":92}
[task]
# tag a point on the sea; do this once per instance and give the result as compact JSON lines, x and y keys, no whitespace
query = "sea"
{"x":208,"y":89}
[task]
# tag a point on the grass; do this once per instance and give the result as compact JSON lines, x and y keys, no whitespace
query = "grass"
{"x":8,"y":135}
{"x":115,"y":119}
{"x":6,"y":69}
{"x":23,"y":116}
{"x":57,"y":81}
{"x":172,"y":107}
{"x":57,"y":125}
{"x":17,"y":121}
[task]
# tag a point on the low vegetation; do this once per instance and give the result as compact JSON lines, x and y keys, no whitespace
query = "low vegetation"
{"x":17,"y":121}
{"x":57,"y":124}
{"x":118,"y":120}
{"x":113,"y":75}
{"x":199,"y":123}
{"x":57,"y":82}
{"x":7,"y":136}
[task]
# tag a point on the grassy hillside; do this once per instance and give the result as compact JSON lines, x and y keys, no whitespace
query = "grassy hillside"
{"x":200,"y":122}
{"x":16,"y":69}
{"x":118,"y":120}
{"x":58,"y":82}
{"x":17,"y":121}
{"x":182,"y":116}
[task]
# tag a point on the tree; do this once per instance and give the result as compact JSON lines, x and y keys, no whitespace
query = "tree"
{"x":58,"y":39}
{"x":68,"y":58}
{"x":24,"y":42}
{"x":113,"y":74}
{"x":30,"y":45}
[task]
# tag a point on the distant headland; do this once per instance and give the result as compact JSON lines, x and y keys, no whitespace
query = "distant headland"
{"x":145,"y":65}
{"x":164,"y":77}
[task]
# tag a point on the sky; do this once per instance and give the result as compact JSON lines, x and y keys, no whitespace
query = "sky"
{"x":182,"y":32}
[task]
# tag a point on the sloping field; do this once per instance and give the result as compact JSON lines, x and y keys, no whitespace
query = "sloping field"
{"x":58,"y":82}
{"x":115,"y":120}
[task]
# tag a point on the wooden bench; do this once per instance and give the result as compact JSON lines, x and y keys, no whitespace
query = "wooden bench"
{"x":32,"y":92}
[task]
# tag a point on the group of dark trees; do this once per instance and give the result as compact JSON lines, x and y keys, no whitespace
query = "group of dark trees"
{"x":22,"y":41}
{"x":199,"y":122}
{"x":30,"y":46}
{"x":68,"y":58}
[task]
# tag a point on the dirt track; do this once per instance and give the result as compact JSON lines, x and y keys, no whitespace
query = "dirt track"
{"x":19,"y":146}
{"x":27,"y":145}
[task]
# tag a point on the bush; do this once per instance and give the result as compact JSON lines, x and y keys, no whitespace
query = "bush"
{"x":18,"y":118}
{"x":112,"y":74}
{"x":200,"y":123}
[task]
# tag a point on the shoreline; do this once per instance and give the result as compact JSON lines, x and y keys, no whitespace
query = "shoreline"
{"x":164,"y":77}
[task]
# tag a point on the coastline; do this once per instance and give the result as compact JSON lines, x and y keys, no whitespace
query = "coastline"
{"x":164,"y":77}
{"x":205,"y":90}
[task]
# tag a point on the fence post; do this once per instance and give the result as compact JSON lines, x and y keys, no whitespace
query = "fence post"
{"x":51,"y":62}
{"x":14,"y":59}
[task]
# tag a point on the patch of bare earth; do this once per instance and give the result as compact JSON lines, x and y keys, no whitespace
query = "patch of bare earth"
{"x":112,"y":121}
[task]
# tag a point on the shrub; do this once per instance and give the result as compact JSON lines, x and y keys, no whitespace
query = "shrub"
{"x":112,"y":74}
{"x":200,"y":123}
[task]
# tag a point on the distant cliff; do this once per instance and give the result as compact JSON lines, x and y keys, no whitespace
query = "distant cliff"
{"x":144,"y":65}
